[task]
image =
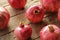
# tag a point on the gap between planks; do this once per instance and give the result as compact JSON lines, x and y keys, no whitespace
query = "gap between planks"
{"x":19,"y":13}
{"x":13,"y":16}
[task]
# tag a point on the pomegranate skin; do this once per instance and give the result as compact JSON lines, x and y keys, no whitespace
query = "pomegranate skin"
{"x":35,"y":13}
{"x":59,"y":15}
{"x":18,"y":4}
{"x":51,"y":5}
{"x":45,"y":34}
{"x":23,"y":33}
{"x":4,"y":17}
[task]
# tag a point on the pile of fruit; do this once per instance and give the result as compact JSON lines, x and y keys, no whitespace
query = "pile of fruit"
{"x":34,"y":14}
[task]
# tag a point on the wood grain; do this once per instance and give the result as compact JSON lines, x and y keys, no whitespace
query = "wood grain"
{"x":17,"y":15}
{"x":14,"y":21}
{"x":3,"y":2}
{"x":14,"y":12}
{"x":37,"y":39}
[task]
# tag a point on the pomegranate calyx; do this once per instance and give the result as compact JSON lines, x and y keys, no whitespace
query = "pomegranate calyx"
{"x":36,"y":11}
{"x":21,"y":24}
{"x":51,"y":29}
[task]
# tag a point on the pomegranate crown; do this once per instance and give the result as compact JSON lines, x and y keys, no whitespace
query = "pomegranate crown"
{"x":51,"y":29}
{"x":21,"y":24}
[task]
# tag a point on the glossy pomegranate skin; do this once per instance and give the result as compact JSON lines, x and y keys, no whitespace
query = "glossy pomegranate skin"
{"x":4,"y":17}
{"x":51,"y":5}
{"x":45,"y":34}
{"x":59,"y":15}
{"x":23,"y":33}
{"x":34,"y":17}
{"x":18,"y":4}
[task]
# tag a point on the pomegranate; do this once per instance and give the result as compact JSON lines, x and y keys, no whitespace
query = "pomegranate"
{"x":17,"y":3}
{"x":35,"y":13}
{"x":51,"y":5}
{"x":4,"y":17}
{"x":23,"y":32}
{"x":59,"y":15}
{"x":50,"y":32}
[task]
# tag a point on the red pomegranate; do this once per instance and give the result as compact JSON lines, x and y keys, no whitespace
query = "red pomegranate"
{"x":51,"y":5}
{"x":50,"y":32}
{"x":35,"y":13}
{"x":59,"y":15}
{"x":17,"y":3}
{"x":23,"y":32}
{"x":4,"y":17}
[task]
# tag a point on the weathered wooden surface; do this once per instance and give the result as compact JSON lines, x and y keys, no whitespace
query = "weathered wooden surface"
{"x":38,"y":39}
{"x":3,"y":2}
{"x":17,"y":15}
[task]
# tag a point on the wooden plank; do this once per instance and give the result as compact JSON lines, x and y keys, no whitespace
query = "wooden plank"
{"x":7,"y":34}
{"x":10,"y":36}
{"x":13,"y":24}
{"x":3,"y":2}
{"x":34,"y":2}
{"x":14,"y":12}
{"x":36,"y":29}
{"x":37,"y":39}
{"x":13,"y":20}
{"x":51,"y":18}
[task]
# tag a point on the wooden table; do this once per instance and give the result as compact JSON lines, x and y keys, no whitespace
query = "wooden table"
{"x":18,"y":15}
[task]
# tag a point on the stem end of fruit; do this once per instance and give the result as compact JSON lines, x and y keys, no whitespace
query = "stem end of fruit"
{"x":51,"y":29}
{"x":21,"y":24}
